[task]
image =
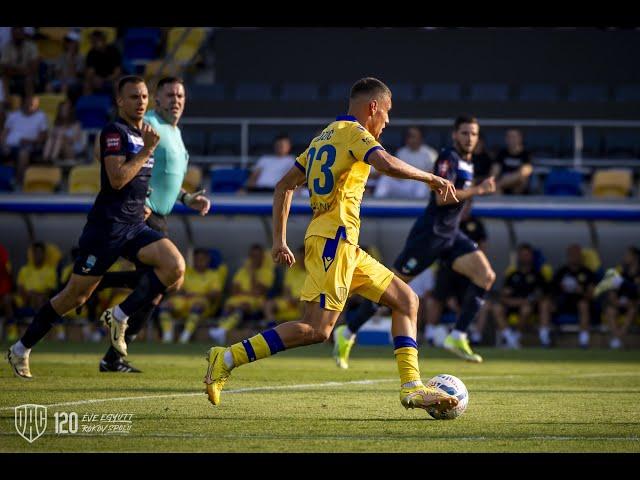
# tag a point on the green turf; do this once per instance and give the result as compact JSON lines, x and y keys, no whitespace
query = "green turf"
{"x":526,"y":401}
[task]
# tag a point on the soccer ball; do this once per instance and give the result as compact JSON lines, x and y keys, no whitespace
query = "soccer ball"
{"x":453,"y":386}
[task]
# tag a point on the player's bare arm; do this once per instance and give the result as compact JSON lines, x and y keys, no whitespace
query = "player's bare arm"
{"x":121,"y":172}
{"x":486,"y":187}
{"x":392,"y":166}
{"x":282,"y":196}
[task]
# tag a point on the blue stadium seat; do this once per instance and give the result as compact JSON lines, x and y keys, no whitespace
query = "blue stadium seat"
{"x":441,"y":92}
{"x":216,"y":258}
{"x":299,"y":92}
{"x":563,"y":182}
{"x":591,"y":143}
{"x":403,"y":91}
{"x":254,"y":91}
{"x":206,"y":92}
{"x":6,"y":178}
{"x":489,"y":92}
{"x":565,"y":319}
{"x":392,"y":139}
{"x":339,"y":91}
{"x":588,"y":93}
{"x":195,"y":141}
{"x":627,"y":93}
{"x":224,"y":141}
{"x":228,"y":180}
{"x":93,"y":110}
{"x":547,"y":143}
{"x":622,"y":143}
{"x":538,"y":93}
{"x":141,"y":44}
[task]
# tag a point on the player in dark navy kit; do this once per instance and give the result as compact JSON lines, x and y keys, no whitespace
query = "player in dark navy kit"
{"x":435,"y":236}
{"x":115,"y":227}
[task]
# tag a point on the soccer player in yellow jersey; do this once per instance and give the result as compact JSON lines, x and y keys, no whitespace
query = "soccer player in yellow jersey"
{"x":286,"y":307}
{"x":335,"y":167}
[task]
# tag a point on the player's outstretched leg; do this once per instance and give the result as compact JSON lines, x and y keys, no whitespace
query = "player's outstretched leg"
{"x":404,"y":311}
{"x":344,"y":336}
{"x":75,"y":293}
{"x":476,"y":267}
{"x":315,"y":327}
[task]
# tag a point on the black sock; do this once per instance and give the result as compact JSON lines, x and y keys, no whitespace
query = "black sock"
{"x":40,"y":326}
{"x":148,"y":288}
{"x":127,"y":279}
{"x":365,"y":311}
{"x":471,"y":304}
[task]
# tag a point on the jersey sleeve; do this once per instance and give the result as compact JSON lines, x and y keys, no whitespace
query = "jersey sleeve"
{"x":362,"y":144}
{"x":301,"y":160}
{"x":445,"y":167}
{"x":113,"y":142}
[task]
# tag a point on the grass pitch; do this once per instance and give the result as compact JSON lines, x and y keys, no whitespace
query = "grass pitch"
{"x":526,"y":401}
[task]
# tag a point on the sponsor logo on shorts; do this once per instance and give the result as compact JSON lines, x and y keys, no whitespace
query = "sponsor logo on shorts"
{"x":410,"y":265}
{"x":342,"y":293}
{"x":89,"y":264}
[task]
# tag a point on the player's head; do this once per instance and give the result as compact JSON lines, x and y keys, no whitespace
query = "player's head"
{"x":38,"y":250}
{"x":256,"y":255}
{"x":413,"y":138}
{"x":98,"y":39}
{"x":525,"y":256}
{"x":282,"y":145}
{"x":513,"y":140}
{"x":466,"y":131}
{"x":132,"y":97}
{"x":574,"y":255}
{"x":371,"y":99}
{"x":170,"y":98}
{"x":201,"y":259}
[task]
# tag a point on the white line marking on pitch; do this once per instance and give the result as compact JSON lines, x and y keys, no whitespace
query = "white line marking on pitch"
{"x":248,"y":389}
{"x":611,"y":374}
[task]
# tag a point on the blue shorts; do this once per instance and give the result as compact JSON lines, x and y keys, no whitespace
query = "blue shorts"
{"x":424,"y":247}
{"x":101,"y":245}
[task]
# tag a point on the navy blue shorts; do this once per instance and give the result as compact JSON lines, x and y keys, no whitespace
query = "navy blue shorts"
{"x":101,"y":245}
{"x":424,"y":247}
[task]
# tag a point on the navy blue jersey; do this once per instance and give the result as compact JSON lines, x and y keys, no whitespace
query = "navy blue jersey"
{"x":127,"y":204}
{"x":446,"y":218}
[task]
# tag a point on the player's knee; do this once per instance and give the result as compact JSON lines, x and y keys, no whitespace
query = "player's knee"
{"x":409,"y":303}
{"x":175,"y":268}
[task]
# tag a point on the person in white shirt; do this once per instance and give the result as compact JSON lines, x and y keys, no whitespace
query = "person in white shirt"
{"x":24,"y":134}
{"x":269,"y":169}
{"x":416,"y":154}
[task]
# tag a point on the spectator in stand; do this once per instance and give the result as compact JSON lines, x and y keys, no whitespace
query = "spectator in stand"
{"x":24,"y":135}
{"x":513,"y":165}
{"x":483,"y":163}
{"x":271,"y":168}
{"x":68,"y":68}
{"x":103,"y":65}
{"x":19,"y":64}
{"x":66,"y":139}
{"x":523,"y":295}
{"x":6,"y":304}
{"x":415,"y":153}
{"x":621,"y":304}
{"x":287,"y":306}
{"x":572,"y":288}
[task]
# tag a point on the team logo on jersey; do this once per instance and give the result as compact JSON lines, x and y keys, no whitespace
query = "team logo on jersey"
{"x":89,"y":264}
{"x":30,"y":421}
{"x":113,"y":142}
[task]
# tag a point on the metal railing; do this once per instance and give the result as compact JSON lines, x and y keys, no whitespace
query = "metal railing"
{"x":244,"y":124}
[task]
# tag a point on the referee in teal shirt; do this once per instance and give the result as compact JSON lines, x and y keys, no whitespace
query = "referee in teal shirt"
{"x":170,"y":167}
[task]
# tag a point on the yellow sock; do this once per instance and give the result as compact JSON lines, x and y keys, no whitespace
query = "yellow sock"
{"x":166,"y":324}
{"x":191,"y":323}
{"x":231,"y":321}
{"x":407,"y":359}
{"x":12,"y":332}
{"x":257,"y":347}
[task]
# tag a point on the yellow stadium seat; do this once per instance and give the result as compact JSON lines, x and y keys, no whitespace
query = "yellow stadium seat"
{"x":49,"y":48}
{"x":84,"y":179}
{"x":49,"y":103}
{"x":612,"y":183}
{"x":52,"y":255}
{"x":192,"y":179}
{"x":189,"y":47}
{"x":41,"y":179}
{"x":55,"y":33}
{"x":591,"y":259}
{"x":152,"y":69}
{"x":85,"y":37}
{"x":14,"y":102}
